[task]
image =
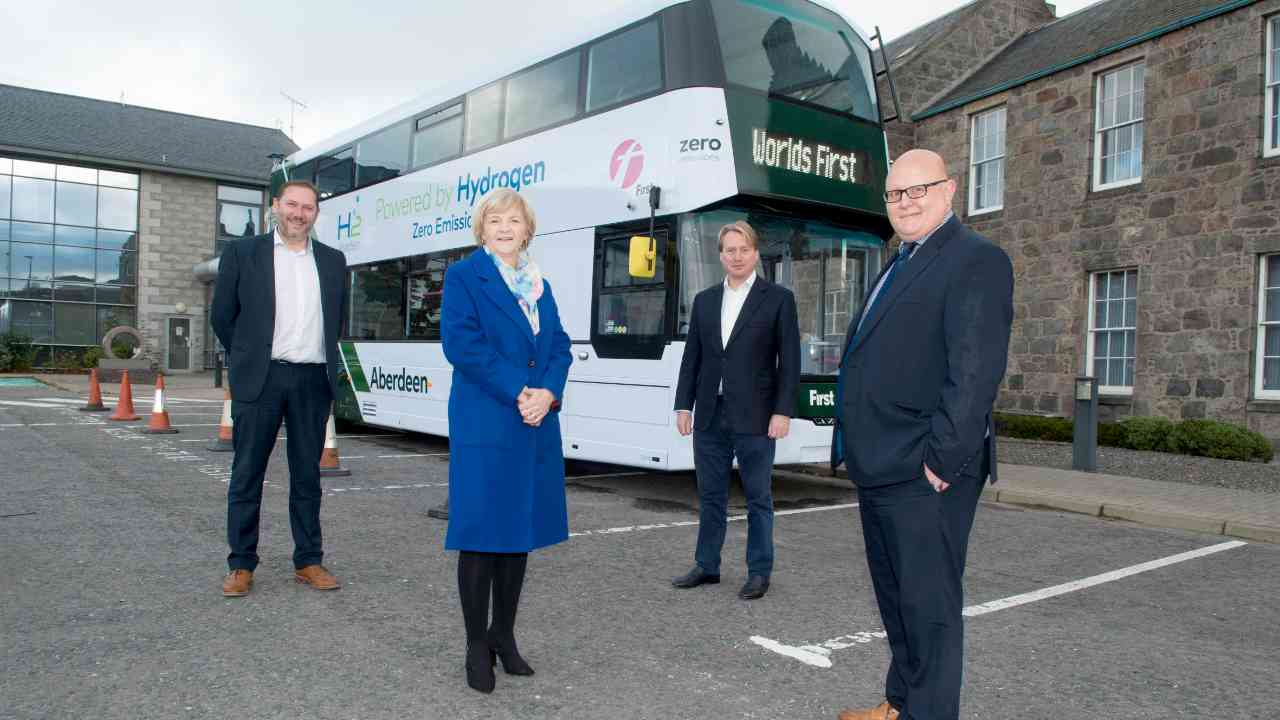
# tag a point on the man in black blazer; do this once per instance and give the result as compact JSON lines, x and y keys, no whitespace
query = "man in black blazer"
{"x":740,"y":371}
{"x":922,"y":364}
{"x":278,"y":309}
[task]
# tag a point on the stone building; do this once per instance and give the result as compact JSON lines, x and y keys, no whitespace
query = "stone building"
{"x":1127,"y":156}
{"x":106,"y":208}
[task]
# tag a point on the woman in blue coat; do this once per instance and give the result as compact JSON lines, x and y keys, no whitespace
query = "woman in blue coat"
{"x":502,"y":334}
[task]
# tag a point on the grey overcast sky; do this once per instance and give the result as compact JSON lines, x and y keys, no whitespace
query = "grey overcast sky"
{"x":347,"y":61}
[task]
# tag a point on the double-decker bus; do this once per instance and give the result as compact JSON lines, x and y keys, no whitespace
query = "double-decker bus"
{"x":634,"y":144}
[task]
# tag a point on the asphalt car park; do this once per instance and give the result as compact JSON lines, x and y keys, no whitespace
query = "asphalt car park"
{"x":113,"y":548}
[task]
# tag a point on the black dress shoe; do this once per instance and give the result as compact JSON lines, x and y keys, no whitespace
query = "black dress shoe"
{"x":480,"y":661}
{"x":695,"y":577}
{"x":756,"y":587}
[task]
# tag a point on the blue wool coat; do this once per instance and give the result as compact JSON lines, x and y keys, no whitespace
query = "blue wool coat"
{"x":506,"y":478}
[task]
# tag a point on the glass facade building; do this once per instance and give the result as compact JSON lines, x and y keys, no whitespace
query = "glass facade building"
{"x":68,"y":255}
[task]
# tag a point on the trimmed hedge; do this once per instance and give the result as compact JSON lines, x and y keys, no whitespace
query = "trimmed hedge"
{"x":1145,"y":433}
{"x":1209,"y":438}
{"x":1033,"y":427}
{"x":1206,"y":438}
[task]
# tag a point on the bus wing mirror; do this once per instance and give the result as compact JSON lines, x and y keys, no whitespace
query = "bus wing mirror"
{"x":644,"y":256}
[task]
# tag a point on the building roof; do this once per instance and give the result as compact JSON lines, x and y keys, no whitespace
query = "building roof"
{"x":898,"y":49}
{"x":84,"y":129}
{"x":1078,"y":38}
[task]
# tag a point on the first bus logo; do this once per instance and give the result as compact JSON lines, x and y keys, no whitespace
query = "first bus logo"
{"x":627,"y":163}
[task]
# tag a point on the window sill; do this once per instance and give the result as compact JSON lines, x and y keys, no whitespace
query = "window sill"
{"x":985,"y":215}
{"x":1115,"y":399}
{"x":1116,"y":190}
{"x":1263,"y":405}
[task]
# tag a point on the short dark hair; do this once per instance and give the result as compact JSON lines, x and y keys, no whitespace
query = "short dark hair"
{"x":298,"y":183}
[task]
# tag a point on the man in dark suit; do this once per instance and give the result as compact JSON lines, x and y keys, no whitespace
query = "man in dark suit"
{"x":921,"y":367}
{"x":740,"y":371}
{"x":278,"y":309}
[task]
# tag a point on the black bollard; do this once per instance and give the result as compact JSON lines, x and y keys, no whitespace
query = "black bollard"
{"x":1084,"y":440}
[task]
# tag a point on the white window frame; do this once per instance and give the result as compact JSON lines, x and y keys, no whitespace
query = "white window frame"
{"x":1100,"y":130}
{"x":1259,"y":391}
{"x":987,"y":157}
{"x":1271,"y":92}
{"x":1090,"y":341}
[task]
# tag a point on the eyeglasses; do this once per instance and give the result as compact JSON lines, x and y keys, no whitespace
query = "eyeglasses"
{"x":915,"y":192}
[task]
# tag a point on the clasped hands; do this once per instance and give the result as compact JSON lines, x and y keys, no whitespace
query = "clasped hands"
{"x":534,"y":404}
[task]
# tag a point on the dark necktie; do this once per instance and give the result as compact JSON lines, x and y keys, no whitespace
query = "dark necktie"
{"x":899,"y":259}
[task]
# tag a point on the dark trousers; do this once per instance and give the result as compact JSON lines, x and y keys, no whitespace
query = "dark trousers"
{"x":298,"y":395}
{"x":713,"y":453}
{"x":917,"y":539}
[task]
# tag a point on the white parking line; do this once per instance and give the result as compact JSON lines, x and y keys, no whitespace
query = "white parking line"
{"x":333,"y":491}
{"x":604,"y":475}
{"x":688,"y":523}
{"x":819,"y":654}
{"x":415,"y":455}
{"x":27,"y":403}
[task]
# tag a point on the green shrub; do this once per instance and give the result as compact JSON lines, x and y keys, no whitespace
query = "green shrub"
{"x":92,"y":356}
{"x":1111,"y":435}
{"x":1210,"y":438}
{"x":68,"y":358}
{"x":1146,"y":433}
{"x":1033,"y":427}
{"x":16,"y":352}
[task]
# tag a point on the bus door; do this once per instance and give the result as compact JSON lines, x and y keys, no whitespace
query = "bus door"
{"x":618,"y":403}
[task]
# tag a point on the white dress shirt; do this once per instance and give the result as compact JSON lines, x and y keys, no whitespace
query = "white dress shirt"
{"x":730,"y":309}
{"x":731,"y":306}
{"x":299,"y":329}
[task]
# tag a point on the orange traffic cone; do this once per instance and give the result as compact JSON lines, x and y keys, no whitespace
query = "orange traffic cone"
{"x":159,"y":423}
{"x":95,"y":394}
{"x":329,"y":466}
{"x":223,"y":442}
{"x":124,"y":406}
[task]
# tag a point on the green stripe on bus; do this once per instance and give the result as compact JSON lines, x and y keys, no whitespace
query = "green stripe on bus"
{"x":353,"y":367}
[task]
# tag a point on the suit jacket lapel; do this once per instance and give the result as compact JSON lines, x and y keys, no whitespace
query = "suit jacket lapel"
{"x":754,"y":296}
{"x":716,"y":304}
{"x":496,"y":288}
{"x":265,"y":257}
{"x":322,"y":272}
{"x":904,"y":276}
{"x":853,"y":324}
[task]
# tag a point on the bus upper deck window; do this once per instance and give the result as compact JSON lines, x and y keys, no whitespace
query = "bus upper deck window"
{"x":624,"y":66}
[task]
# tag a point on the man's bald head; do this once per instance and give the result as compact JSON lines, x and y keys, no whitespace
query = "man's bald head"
{"x":916,"y":170}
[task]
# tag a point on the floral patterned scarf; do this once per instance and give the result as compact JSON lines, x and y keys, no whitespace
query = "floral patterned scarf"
{"x":525,"y":282}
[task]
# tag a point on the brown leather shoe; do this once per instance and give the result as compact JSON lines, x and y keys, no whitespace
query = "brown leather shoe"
{"x":883,"y":711}
{"x":317,"y":577}
{"x":237,"y":583}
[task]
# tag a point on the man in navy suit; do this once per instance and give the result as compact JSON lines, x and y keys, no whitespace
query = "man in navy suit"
{"x":740,"y":371}
{"x":278,"y":309}
{"x":922,"y":364}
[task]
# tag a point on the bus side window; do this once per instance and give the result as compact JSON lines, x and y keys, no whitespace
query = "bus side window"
{"x":335,"y":174}
{"x":542,"y":96}
{"x":624,"y":66}
{"x":484,"y":116}
{"x":382,"y":156}
{"x":438,"y":136}
{"x":377,"y":301}
{"x":426,"y":290}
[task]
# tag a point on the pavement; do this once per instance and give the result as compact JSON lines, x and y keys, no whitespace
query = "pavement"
{"x":1181,"y":506}
{"x":114,"y":544}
